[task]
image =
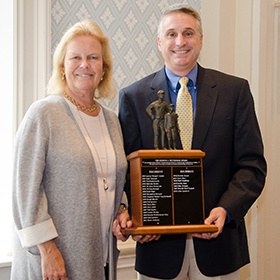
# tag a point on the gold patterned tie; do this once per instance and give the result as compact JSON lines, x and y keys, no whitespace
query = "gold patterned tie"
{"x":185,"y":114}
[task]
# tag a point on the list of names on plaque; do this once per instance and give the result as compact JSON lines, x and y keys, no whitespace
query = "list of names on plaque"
{"x":181,"y":180}
{"x":187,"y":195}
{"x":156,"y":196}
{"x":171,"y":191}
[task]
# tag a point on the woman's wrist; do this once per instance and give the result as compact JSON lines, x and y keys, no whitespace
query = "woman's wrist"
{"x":123,"y":208}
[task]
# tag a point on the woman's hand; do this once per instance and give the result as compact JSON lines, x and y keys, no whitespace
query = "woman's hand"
{"x":121,"y":222}
{"x":53,"y":267}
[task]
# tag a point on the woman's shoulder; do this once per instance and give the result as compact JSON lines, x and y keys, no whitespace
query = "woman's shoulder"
{"x":45,"y":109}
{"x":110,"y":116}
{"x":108,"y":111}
{"x":48,"y":102}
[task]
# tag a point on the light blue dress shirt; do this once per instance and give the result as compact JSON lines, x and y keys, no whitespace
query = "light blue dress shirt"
{"x":174,"y":86}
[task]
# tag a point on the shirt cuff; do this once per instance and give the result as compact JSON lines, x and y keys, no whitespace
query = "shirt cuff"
{"x":37,"y":234}
{"x":228,"y":218}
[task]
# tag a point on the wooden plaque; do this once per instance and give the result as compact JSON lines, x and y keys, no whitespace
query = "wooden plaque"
{"x":167,"y":193}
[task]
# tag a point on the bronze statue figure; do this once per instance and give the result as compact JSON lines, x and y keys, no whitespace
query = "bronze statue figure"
{"x":171,"y":127}
{"x":157,"y":110}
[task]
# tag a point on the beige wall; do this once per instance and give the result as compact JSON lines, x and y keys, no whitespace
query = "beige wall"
{"x":242,"y":38}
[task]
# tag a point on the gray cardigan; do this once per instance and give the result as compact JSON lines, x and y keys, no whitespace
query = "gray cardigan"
{"x":55,"y":193}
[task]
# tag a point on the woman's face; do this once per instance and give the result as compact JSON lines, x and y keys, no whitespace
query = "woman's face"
{"x":83,"y":64}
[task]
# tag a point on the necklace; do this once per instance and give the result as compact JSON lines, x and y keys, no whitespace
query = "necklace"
{"x":104,"y":175}
{"x":90,"y":109}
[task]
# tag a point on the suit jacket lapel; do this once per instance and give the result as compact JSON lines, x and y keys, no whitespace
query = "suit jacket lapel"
{"x":207,"y":96}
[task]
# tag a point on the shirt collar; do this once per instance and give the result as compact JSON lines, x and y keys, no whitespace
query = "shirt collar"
{"x":173,"y":79}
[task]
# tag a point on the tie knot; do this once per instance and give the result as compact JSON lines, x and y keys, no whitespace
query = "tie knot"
{"x":184,"y":81}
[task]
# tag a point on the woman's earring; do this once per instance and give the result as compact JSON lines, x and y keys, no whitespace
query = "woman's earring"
{"x":62,"y":75}
{"x":102,"y":75}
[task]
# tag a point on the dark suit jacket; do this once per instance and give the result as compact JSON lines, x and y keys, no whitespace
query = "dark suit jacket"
{"x":226,"y":129}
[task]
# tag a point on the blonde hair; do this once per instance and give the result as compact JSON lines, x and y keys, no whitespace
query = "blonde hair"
{"x":57,"y":83}
{"x":183,"y":8}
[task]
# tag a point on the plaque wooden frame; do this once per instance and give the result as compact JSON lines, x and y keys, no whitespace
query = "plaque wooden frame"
{"x":141,"y":159}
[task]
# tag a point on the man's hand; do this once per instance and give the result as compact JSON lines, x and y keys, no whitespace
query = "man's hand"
{"x":52,"y":263}
{"x":145,"y":238}
{"x":217,"y":217}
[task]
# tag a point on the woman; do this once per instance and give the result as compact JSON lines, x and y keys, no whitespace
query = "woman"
{"x":69,"y":168}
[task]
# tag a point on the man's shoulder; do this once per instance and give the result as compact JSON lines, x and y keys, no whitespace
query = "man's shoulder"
{"x":219,"y":75}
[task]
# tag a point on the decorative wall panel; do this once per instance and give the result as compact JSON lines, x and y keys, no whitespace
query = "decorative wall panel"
{"x":131,"y":27}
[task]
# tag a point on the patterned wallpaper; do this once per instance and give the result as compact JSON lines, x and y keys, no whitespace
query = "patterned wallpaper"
{"x":131,"y":26}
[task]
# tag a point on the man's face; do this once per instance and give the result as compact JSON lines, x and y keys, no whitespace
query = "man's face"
{"x":180,"y":42}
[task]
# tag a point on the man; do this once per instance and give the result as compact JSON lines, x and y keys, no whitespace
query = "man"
{"x":226,"y":129}
{"x":157,"y":110}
